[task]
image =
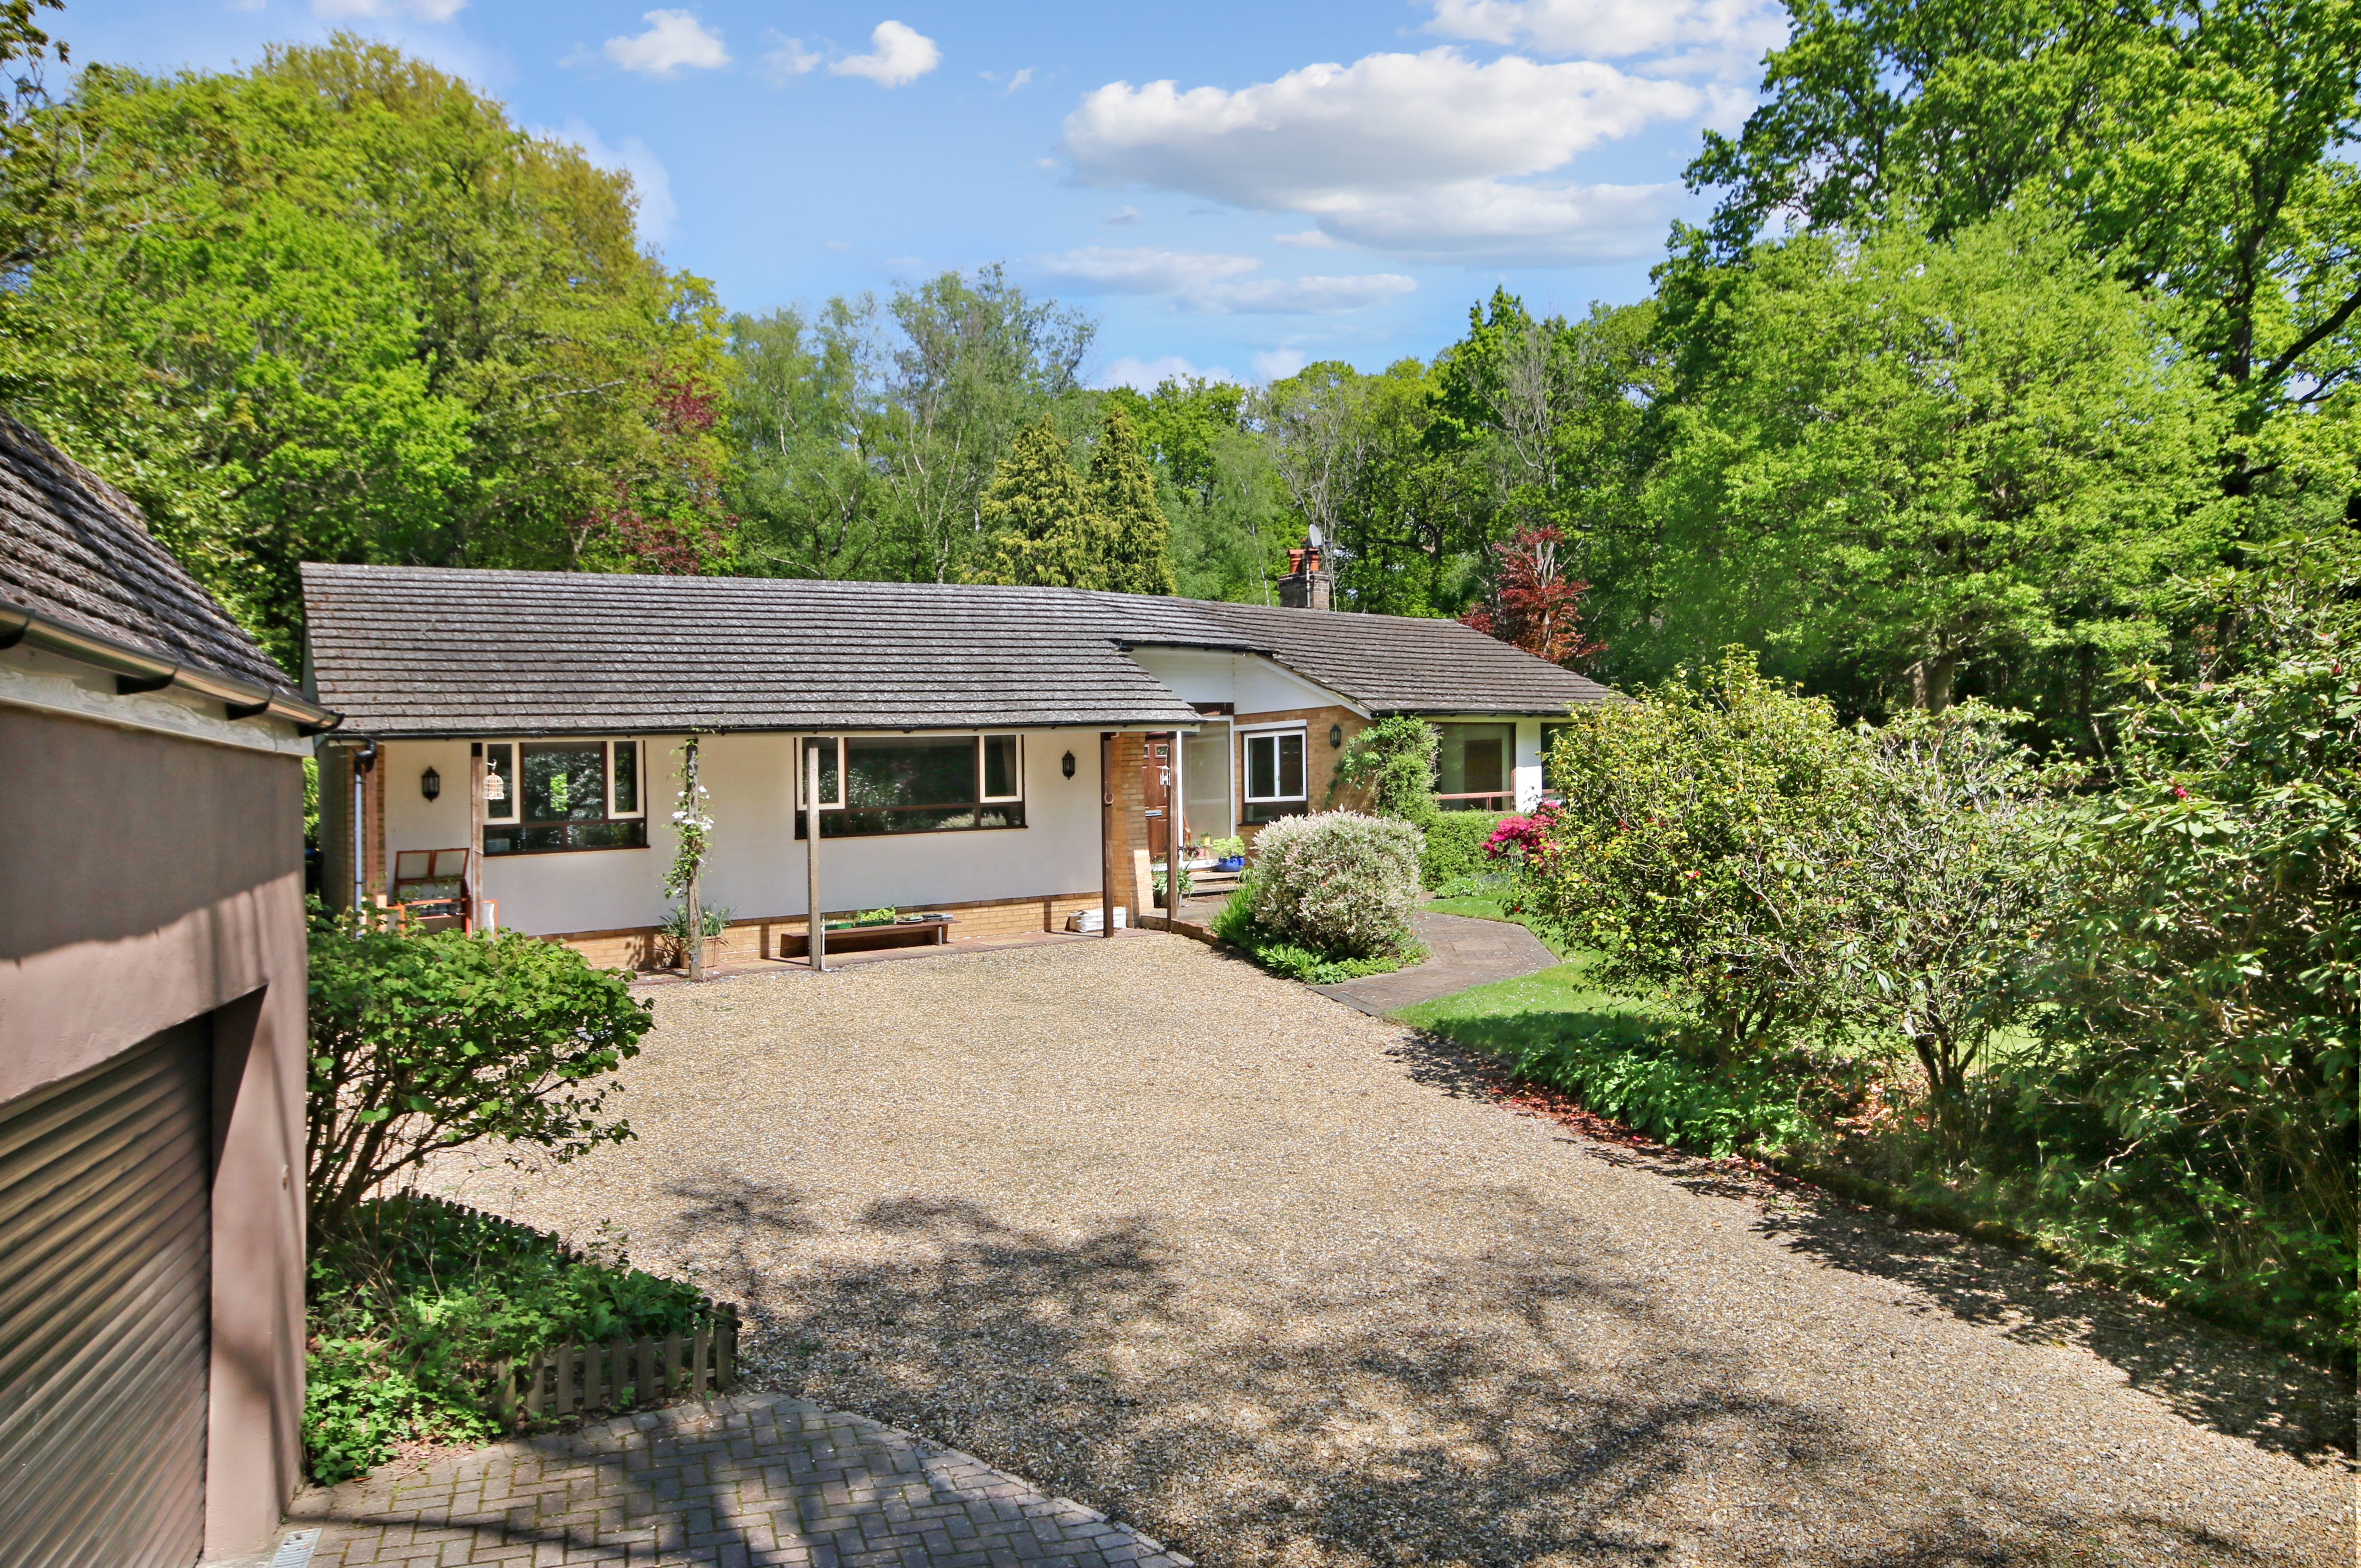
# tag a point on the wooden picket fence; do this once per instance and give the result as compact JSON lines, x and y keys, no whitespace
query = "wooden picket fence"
{"x":561,"y":1380}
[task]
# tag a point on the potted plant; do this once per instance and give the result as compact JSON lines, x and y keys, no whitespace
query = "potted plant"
{"x":1229,"y":854}
{"x":675,"y":932}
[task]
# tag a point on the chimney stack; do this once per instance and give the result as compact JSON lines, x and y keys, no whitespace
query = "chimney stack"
{"x":1309,"y":585}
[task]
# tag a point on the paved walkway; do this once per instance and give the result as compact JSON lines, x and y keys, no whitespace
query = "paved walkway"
{"x":746,"y":1482}
{"x":1465,"y":952}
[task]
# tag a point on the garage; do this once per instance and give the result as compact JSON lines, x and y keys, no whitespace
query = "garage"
{"x":105,"y":1219}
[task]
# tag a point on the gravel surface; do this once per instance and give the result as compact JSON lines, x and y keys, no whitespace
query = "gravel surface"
{"x":1280,"y":1283}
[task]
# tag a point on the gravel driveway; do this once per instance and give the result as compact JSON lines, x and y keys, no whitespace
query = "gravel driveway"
{"x":1281,"y":1284}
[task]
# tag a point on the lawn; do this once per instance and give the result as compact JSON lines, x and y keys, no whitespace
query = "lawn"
{"x":1492,"y":903}
{"x":1513,"y":1018}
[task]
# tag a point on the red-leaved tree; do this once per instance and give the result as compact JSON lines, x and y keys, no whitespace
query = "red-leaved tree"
{"x":1532,"y":604}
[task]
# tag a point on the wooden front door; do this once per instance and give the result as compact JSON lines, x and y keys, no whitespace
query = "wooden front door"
{"x":1156,"y":789}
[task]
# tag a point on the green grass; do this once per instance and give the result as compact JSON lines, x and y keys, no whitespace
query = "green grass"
{"x":1509,"y":1017}
{"x":1491,"y":904}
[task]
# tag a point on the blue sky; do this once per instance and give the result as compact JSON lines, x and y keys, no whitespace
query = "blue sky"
{"x":1231,"y":187}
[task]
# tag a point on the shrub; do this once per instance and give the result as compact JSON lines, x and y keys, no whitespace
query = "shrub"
{"x":1672,"y":852}
{"x":1339,"y":882}
{"x":415,"y":1305}
{"x":1392,"y":762}
{"x":1455,"y":847}
{"x":1755,"y":1107}
{"x":423,"y":1043}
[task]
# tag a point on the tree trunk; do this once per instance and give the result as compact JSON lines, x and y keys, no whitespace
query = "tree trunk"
{"x":1931,"y":682}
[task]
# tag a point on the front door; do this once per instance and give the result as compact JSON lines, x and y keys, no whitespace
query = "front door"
{"x":1156,"y":789}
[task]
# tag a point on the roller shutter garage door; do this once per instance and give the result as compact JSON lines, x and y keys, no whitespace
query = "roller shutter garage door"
{"x":105,"y":1264}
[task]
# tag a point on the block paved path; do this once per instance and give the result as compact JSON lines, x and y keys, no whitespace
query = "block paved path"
{"x":1465,"y":952}
{"x":747,"y":1481}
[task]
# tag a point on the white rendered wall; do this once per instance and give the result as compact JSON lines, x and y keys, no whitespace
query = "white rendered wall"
{"x":1254,"y":683}
{"x":757,"y":866}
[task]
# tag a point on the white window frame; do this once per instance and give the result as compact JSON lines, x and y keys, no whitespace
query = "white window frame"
{"x":1248,"y":736}
{"x":514,"y":801}
{"x":982,"y":776}
{"x":804,"y":743}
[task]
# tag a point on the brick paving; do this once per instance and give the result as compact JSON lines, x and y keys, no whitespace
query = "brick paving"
{"x":748,"y":1481}
{"x":1465,"y":952}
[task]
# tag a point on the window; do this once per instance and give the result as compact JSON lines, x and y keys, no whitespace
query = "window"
{"x":1472,"y":767}
{"x":1274,"y":771}
{"x":544,"y":795}
{"x":872,"y":784}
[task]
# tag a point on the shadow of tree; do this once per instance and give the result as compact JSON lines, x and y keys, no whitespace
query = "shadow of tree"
{"x":1478,"y":1415}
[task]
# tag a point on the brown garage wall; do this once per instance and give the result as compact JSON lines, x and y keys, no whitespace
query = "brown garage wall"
{"x":151,"y":879}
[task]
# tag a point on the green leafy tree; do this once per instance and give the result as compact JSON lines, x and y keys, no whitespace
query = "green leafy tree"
{"x":808,"y":429}
{"x":1045,"y":533}
{"x":427,"y":1043}
{"x":362,"y":317}
{"x":1673,"y":852}
{"x":1122,"y":498}
{"x":1217,"y":483}
{"x":2194,"y":146}
{"x":1908,"y":460}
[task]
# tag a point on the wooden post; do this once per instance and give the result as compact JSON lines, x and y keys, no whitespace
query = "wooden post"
{"x":816,"y":940}
{"x":1107,"y":833}
{"x":475,"y":889}
{"x":692,"y":900}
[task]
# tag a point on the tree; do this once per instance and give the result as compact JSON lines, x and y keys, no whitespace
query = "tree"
{"x":1216,"y":483}
{"x":360,"y":317}
{"x":2193,"y":146}
{"x":1044,"y":531}
{"x":1670,"y":852}
{"x":423,"y":1044}
{"x":810,"y":427}
{"x":1893,"y":461}
{"x":978,"y":362}
{"x":1122,"y":499}
{"x":1532,"y":604}
{"x":1953,"y":884}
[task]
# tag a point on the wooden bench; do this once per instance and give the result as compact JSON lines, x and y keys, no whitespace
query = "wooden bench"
{"x":934,"y":930}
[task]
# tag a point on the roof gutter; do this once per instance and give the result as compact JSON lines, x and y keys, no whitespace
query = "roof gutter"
{"x":135,"y":670}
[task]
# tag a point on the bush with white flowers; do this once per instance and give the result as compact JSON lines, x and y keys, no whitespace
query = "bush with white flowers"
{"x":1337,"y":881}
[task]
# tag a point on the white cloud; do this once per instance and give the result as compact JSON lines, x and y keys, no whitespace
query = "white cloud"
{"x":1121,"y":218}
{"x":1721,"y":38}
{"x":897,"y":54}
{"x":339,"y":10}
{"x":1147,"y":374}
{"x":1278,"y":364}
{"x":1310,"y":239}
{"x":1210,"y":284}
{"x":1024,"y":75}
{"x":786,"y":57}
{"x":652,"y":182}
{"x":1386,"y":152}
{"x":673,"y":39}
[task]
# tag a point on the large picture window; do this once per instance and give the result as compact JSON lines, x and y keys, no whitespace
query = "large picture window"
{"x":872,"y":784}
{"x":546,"y":795}
{"x":1274,"y":774}
{"x":1472,"y":767}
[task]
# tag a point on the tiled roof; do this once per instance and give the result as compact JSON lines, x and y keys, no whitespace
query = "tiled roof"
{"x":421,"y":651}
{"x":73,"y":550}
{"x":1399,"y":664}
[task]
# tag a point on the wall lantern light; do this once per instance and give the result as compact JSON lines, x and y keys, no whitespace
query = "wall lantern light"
{"x":1336,"y":736}
{"x":1067,"y":765}
{"x":430,"y":783}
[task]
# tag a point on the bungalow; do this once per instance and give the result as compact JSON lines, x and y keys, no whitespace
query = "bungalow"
{"x":1009,"y":756}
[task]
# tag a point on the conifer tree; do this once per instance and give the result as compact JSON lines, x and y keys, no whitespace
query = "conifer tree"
{"x":1040,"y":515}
{"x":1123,"y":499}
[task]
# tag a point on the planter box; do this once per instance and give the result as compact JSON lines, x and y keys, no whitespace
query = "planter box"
{"x":561,"y":1380}
{"x":932,"y":931}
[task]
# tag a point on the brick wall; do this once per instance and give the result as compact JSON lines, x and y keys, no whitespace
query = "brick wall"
{"x":981,"y":920}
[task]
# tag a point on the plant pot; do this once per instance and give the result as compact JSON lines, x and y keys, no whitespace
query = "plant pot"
{"x":1231,"y":863}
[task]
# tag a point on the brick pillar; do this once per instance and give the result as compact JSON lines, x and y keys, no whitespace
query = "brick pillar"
{"x":1127,"y":846}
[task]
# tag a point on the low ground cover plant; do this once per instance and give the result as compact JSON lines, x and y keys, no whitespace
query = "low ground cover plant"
{"x":416,"y":1308}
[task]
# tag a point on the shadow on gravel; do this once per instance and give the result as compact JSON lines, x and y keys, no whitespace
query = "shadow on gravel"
{"x":1522,"y":1407}
{"x":2231,"y":1384}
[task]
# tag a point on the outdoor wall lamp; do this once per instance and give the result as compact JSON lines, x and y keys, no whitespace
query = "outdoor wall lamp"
{"x":430,"y":785}
{"x":1336,"y":736}
{"x":1067,"y":765}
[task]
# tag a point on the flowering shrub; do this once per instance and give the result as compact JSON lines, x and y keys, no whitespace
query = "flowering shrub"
{"x":1518,"y":839}
{"x":1336,"y":882}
